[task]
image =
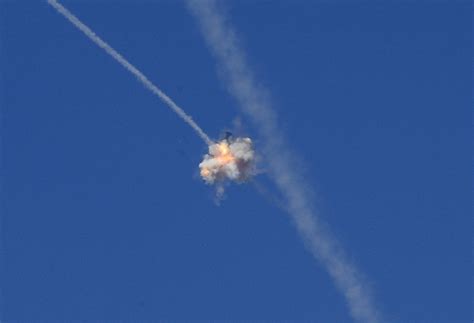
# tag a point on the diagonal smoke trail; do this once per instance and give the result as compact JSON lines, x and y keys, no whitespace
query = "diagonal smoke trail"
{"x":132,"y":69}
{"x":253,"y":100}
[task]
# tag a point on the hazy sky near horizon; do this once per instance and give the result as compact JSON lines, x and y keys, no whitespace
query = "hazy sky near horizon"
{"x":103,"y":212}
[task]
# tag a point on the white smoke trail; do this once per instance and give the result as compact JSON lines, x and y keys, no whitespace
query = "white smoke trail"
{"x":253,"y":99}
{"x":132,"y":69}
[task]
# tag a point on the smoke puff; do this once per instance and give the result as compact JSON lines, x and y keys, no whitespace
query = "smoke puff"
{"x":228,"y":159}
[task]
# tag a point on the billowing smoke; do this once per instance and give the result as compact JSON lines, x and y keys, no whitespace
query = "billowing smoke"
{"x":228,"y":159}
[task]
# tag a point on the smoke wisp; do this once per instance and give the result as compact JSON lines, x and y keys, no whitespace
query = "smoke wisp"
{"x":129,"y":67}
{"x":253,"y":100}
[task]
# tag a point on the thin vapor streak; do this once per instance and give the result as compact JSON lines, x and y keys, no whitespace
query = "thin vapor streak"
{"x":132,"y":69}
{"x":253,"y":100}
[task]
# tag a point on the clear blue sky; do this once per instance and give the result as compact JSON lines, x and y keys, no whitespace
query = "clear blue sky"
{"x":103,"y":215}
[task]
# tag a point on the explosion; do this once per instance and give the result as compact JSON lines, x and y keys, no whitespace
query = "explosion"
{"x":228,"y":159}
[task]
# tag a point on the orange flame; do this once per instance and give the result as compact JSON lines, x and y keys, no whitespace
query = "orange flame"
{"x":225,"y":155}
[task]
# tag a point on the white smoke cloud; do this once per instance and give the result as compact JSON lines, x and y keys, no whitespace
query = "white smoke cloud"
{"x":253,"y":100}
{"x":228,"y":159}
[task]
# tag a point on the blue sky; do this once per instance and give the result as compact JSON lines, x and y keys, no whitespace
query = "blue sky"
{"x":103,"y":214}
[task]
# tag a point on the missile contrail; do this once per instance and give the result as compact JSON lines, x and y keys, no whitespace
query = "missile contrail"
{"x":132,"y":69}
{"x":253,"y":100}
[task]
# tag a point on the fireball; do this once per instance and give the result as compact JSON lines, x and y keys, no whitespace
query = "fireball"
{"x":228,"y":159}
